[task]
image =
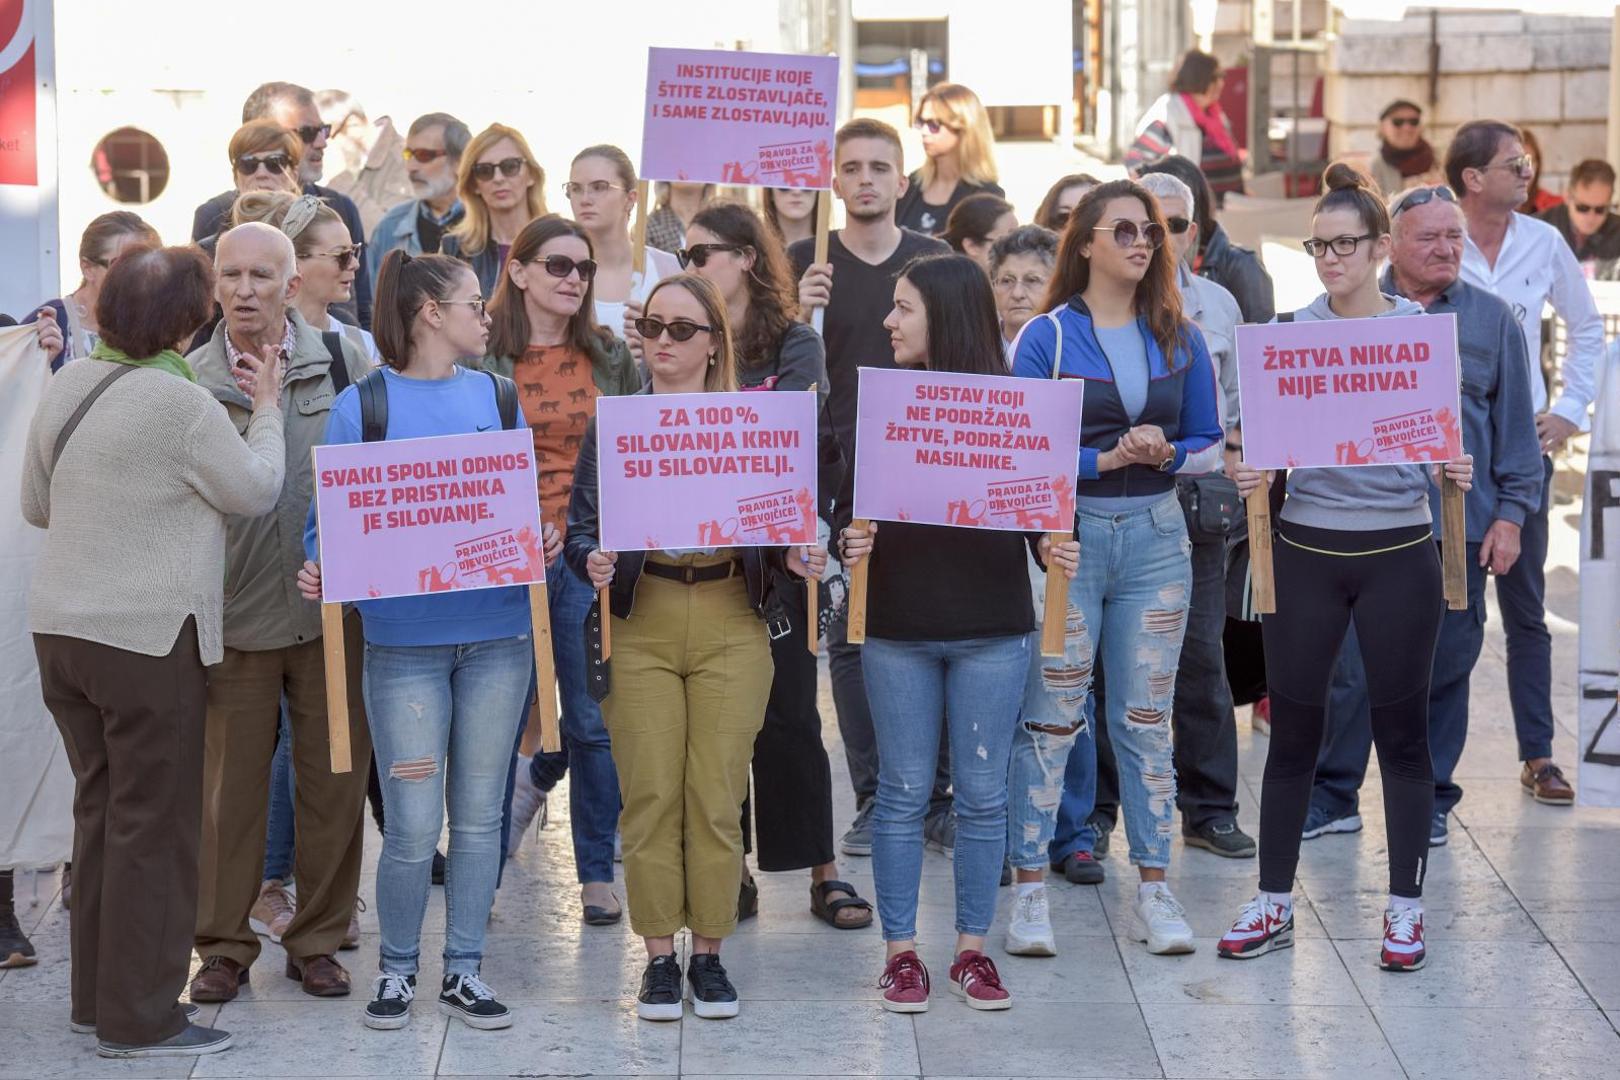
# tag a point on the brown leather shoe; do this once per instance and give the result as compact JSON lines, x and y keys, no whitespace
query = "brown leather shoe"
{"x":322,"y":976}
{"x":218,"y":980}
{"x":1547,"y":785}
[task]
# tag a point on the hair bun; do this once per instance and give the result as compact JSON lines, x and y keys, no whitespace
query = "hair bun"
{"x":1341,"y":175}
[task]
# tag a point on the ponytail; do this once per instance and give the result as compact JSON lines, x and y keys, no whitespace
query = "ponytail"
{"x":404,"y":284}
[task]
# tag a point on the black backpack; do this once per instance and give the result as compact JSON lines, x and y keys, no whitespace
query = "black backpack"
{"x":374,"y":404}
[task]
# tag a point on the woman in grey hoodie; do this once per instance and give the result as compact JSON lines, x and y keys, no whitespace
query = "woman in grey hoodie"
{"x":1354,"y":543}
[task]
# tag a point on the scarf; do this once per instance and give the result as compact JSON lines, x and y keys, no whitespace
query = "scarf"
{"x":1413,"y":162}
{"x":1212,"y":122}
{"x":167,"y":360}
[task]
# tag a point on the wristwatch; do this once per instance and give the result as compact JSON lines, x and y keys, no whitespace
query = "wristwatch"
{"x":1168,"y":463}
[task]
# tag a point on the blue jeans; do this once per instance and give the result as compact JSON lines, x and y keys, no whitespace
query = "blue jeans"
{"x":278,"y":835}
{"x":593,"y":792}
{"x":442,"y":719}
{"x":1134,"y":585}
{"x":913,"y":687}
{"x":1073,"y":831}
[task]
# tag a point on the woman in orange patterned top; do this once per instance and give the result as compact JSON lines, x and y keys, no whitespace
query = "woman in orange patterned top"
{"x":543,"y":334}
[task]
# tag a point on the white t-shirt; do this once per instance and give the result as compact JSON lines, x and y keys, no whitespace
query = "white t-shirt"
{"x":660,"y":265}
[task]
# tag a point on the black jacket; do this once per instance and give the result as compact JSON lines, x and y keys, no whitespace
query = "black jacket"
{"x":1600,"y":257}
{"x":1238,"y":270}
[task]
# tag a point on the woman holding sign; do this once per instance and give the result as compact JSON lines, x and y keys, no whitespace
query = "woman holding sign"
{"x":691,"y":678}
{"x":1356,"y":544}
{"x":1114,"y":319}
{"x":948,"y":641}
{"x":446,"y":673}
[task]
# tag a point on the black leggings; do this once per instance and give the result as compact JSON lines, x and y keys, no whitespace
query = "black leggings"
{"x":1394,"y":596}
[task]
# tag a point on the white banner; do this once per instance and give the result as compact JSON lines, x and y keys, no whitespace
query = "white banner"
{"x":36,"y":784}
{"x":1599,"y":776}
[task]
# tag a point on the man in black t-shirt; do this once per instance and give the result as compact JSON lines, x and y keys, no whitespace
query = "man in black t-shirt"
{"x":856,"y":287}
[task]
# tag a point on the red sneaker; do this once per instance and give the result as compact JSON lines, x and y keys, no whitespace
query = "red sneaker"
{"x":905,"y":984}
{"x":1261,"y":927}
{"x":1403,"y":940}
{"x":975,"y":981}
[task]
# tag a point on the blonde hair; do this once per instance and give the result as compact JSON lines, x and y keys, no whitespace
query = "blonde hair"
{"x":473,"y":231}
{"x":959,"y":109}
{"x":271,"y":207}
{"x":722,"y":374}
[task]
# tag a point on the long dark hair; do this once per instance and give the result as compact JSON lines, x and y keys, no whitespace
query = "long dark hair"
{"x":1158,"y":300}
{"x":404,"y":284}
{"x":509,"y":319}
{"x":973,"y":218}
{"x":1046,"y":213}
{"x":964,"y":335}
{"x":773,"y":300}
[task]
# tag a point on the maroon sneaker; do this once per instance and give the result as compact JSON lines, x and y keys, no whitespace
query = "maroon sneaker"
{"x":974,"y":980}
{"x":905,"y":984}
{"x":1260,"y":927}
{"x":1403,"y":940}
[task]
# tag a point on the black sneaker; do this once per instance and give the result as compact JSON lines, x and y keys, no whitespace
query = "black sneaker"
{"x":192,"y":1041}
{"x":438,"y":868}
{"x":1224,"y":838}
{"x":713,"y":996}
{"x":466,"y":997}
{"x":660,"y":997}
{"x":391,"y":998}
{"x":1102,"y":827}
{"x":15,"y":948}
{"x":1080,"y":868}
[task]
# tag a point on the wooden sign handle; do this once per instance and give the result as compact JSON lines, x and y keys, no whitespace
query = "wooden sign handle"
{"x":607,"y":623}
{"x":1055,"y":618}
{"x":823,"y":232}
{"x":638,"y":237}
{"x":337,"y":688}
{"x":1453,"y":544}
{"x":812,"y":587}
{"x":857,"y":592}
{"x":1262,"y":586}
{"x":545,"y":668}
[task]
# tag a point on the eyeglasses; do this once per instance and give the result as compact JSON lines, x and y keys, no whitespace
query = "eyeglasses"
{"x":1419,"y":196}
{"x":1524,"y":165}
{"x":1582,"y":208}
{"x":476,"y":303}
{"x":1340,"y":245}
{"x":345,"y":257}
{"x":560,"y":266}
{"x":933,"y":127}
{"x":1178,"y":224}
{"x":679,"y":330}
{"x":1405,"y":121}
{"x":1031,"y":282}
{"x":310,"y":133}
{"x":1127,"y":232}
{"x":424,"y":157}
{"x":698,"y":254}
{"x":485,"y":170}
{"x":275,"y":164}
{"x":598,"y":188}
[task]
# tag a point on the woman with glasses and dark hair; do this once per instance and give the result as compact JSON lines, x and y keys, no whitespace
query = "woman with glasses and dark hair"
{"x":1187,"y":121}
{"x":1115,"y":319}
{"x":976,"y":223}
{"x":1355,"y":545}
{"x":959,"y":159}
{"x":67,"y":326}
{"x":1235,"y":269}
{"x":690,"y":681}
{"x":543,"y":335}
{"x":502,"y":189}
{"x":1061,"y":199}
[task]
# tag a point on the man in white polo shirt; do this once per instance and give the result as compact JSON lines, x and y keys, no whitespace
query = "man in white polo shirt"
{"x":1527,"y":264}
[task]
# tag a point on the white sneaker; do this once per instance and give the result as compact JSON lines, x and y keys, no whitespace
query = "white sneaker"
{"x":1159,"y":920}
{"x":1029,"y":932}
{"x":527,"y":801}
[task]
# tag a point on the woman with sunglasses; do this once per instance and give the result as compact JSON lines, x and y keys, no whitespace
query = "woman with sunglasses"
{"x":502,"y":189}
{"x":543,"y":335}
{"x":733,"y":249}
{"x":1114,"y":318}
{"x":948,"y":642}
{"x":1354,"y":545}
{"x":264,"y":157}
{"x":959,"y":159}
{"x":976,"y":223}
{"x":446,"y":674}
{"x":690,"y":681}
{"x":791,"y":214}
{"x":1061,"y":199}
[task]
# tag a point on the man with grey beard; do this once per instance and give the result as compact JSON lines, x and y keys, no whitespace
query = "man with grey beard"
{"x":432,"y":152}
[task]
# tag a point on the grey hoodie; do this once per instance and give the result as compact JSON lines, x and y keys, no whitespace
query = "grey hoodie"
{"x":1363,"y":497}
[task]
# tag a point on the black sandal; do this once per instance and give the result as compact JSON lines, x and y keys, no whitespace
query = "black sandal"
{"x":827,"y":910}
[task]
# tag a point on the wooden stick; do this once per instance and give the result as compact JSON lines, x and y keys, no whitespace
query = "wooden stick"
{"x":1453,"y":544}
{"x":823,"y":232}
{"x":857,"y":592}
{"x":638,"y":238}
{"x":812,"y":586}
{"x":545,"y":668}
{"x":337,"y":688}
{"x":607,"y":623}
{"x":1055,"y":613}
{"x":1262,"y":586}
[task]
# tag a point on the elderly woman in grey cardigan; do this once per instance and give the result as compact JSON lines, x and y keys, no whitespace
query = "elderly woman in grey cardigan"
{"x":133,"y":467}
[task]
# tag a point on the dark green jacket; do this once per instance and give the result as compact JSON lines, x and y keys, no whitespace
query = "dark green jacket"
{"x":612,"y":367}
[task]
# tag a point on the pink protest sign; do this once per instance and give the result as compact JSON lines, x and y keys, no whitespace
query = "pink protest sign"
{"x":719,"y":117}
{"x":982,"y":451}
{"x":706,"y":470}
{"x":1350,"y":392}
{"x":412,"y":516}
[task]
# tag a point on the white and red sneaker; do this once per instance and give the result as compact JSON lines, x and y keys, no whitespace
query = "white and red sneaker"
{"x":1261,"y":927}
{"x":905,"y":984}
{"x":974,"y":979}
{"x":1403,"y":940}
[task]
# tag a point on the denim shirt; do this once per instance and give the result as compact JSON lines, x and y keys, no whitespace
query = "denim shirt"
{"x":398,"y":229}
{"x":1499,"y":428}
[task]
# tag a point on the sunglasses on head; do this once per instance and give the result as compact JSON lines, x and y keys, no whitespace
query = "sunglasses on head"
{"x":933,"y":127}
{"x":1420,"y":196}
{"x":310,"y":133}
{"x":1582,"y":208}
{"x":275,"y":164}
{"x":345,"y":257}
{"x":485,"y":170}
{"x":679,"y":330}
{"x":424,"y":157}
{"x":698,"y":254}
{"x":1339,"y":245}
{"x":574,"y":189}
{"x":560,"y":266}
{"x":1126,"y":233}
{"x":1405,"y":121}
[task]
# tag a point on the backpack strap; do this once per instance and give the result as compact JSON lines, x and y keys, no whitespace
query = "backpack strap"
{"x":72,"y":425}
{"x":506,"y":399}
{"x":340,"y":367}
{"x":373,"y":407}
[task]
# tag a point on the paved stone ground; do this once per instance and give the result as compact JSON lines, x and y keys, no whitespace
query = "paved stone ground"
{"x":1523,"y":978}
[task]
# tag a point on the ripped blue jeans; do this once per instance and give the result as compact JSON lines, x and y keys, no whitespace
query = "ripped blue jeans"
{"x":1132,"y":590}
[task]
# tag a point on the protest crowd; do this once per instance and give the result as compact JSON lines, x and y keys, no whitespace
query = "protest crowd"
{"x":182,"y":620}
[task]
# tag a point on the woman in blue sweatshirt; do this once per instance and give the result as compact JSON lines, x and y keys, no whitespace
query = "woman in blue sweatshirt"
{"x":1353,"y":544}
{"x":446,"y":675}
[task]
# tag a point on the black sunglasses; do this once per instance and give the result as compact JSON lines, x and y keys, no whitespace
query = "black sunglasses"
{"x":310,"y":133}
{"x":425,"y":157}
{"x":345,"y":257}
{"x":560,"y":266}
{"x":679,"y":330}
{"x":1178,"y":224}
{"x":1582,"y":208}
{"x":1417,"y":197}
{"x":1060,"y":218}
{"x":1340,"y":245}
{"x":933,"y":127}
{"x":698,"y":254}
{"x":1406,"y":121}
{"x":1127,"y":232}
{"x":485,"y":170}
{"x":275,"y":164}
